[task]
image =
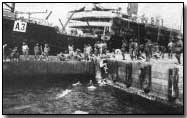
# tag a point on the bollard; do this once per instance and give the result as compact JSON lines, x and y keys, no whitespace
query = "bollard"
{"x":147,"y":83}
{"x":128,"y":77}
{"x":145,"y":78}
{"x":115,"y":76}
{"x":173,"y":89}
{"x":97,"y":71}
{"x":113,"y":70}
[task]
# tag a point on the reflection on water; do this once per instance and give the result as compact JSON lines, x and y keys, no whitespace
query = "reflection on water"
{"x":58,"y":96}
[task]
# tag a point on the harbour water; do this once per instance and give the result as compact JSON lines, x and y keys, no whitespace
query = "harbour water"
{"x":57,"y":95}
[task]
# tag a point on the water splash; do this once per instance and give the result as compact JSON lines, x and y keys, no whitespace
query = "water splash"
{"x":64,"y":93}
{"x":80,"y":112}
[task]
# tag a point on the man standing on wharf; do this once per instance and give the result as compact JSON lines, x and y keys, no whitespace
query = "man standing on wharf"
{"x":178,"y":45}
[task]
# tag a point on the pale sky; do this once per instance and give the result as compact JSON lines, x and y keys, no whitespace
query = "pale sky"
{"x":170,"y":12}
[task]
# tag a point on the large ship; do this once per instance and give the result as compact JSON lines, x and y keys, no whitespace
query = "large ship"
{"x":115,"y":26}
{"x":87,"y":24}
{"x":17,"y":30}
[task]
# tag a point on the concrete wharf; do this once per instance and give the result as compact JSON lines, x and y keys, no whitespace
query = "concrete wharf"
{"x":157,"y":81}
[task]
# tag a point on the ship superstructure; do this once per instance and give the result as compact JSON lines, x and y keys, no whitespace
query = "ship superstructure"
{"x":112,"y":24}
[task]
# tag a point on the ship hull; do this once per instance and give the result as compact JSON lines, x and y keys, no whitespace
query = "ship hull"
{"x":36,"y":33}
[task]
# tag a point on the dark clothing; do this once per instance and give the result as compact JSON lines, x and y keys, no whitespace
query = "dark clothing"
{"x":170,"y":50}
{"x":148,"y":50}
{"x":170,"y":54}
{"x":46,"y":51}
{"x":78,"y":57}
{"x":61,"y":57}
{"x":14,"y":54}
{"x":162,"y":50}
{"x":36,"y":50}
{"x":140,"y":51}
{"x":178,"y":47}
{"x":178,"y":56}
{"x":123,"y":49}
{"x":96,"y":49}
{"x":104,"y":71}
{"x":133,"y":48}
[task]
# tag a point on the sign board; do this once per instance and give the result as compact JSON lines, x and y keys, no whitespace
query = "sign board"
{"x":20,"y":26}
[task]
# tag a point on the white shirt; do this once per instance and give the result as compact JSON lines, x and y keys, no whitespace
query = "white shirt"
{"x":25,"y":47}
{"x":118,"y":56}
{"x":88,"y":49}
{"x":70,"y":48}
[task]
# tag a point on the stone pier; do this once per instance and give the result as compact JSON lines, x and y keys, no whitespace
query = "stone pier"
{"x":160,"y":82}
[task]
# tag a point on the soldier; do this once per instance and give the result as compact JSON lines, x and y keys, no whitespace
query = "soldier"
{"x":78,"y":55}
{"x":148,"y":49}
{"x":131,"y":43}
{"x":71,"y":49}
{"x":37,"y":51}
{"x":14,"y":54}
{"x":170,"y":49}
{"x":4,"y":55}
{"x":46,"y":51}
{"x":118,"y":54}
{"x":88,"y":50}
{"x":123,"y":48}
{"x":157,"y":52}
{"x":178,"y":48}
{"x":103,"y":68}
{"x":25,"y":50}
{"x":61,"y":56}
{"x":135,"y":48}
{"x":96,"y":48}
{"x":102,"y":46}
{"x":140,"y":52}
{"x":162,"y":51}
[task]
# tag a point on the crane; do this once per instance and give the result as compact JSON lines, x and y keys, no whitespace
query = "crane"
{"x":61,"y":24}
{"x":48,"y":15}
{"x":68,"y":20}
{"x":29,"y":13}
{"x":11,"y":6}
{"x":64,"y":26}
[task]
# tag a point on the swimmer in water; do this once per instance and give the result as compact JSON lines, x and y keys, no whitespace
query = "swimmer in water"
{"x":91,"y":83}
{"x":91,"y":86}
{"x":76,"y":84}
{"x":63,"y":93}
{"x":102,"y":82}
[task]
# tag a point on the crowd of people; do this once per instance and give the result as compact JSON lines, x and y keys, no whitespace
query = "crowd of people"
{"x":39,"y":52}
{"x":99,"y":49}
{"x":149,"y":50}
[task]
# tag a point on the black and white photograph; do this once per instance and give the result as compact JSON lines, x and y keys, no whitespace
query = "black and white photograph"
{"x":92,"y":58}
